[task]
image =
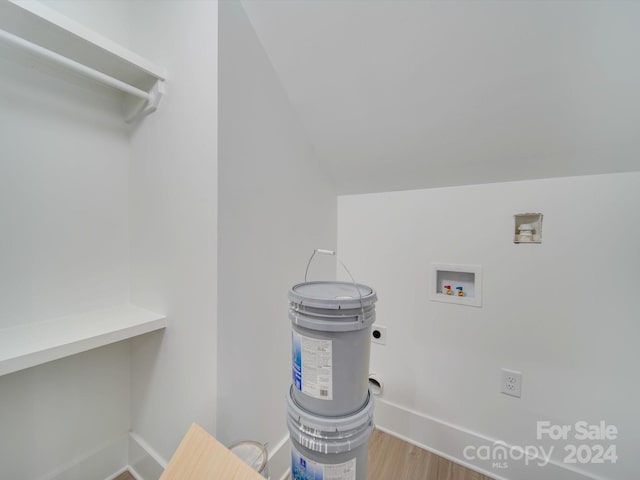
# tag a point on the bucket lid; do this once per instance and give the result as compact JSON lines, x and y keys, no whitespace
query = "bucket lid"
{"x":356,"y":421}
{"x":308,"y":317}
{"x":332,"y":295}
{"x":252,"y":453}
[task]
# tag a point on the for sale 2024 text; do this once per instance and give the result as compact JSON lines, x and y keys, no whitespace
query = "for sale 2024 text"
{"x":582,"y":431}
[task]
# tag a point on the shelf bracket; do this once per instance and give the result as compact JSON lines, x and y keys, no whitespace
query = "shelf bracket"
{"x":149,"y":105}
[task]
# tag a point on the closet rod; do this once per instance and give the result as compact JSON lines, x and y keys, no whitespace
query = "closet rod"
{"x":73,"y":65}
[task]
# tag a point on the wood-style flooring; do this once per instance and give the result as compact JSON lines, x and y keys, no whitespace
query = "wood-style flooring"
{"x":393,"y":459}
{"x":124,"y":476}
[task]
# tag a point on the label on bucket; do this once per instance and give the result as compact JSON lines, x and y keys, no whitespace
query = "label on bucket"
{"x":304,"y":469}
{"x":312,"y":366}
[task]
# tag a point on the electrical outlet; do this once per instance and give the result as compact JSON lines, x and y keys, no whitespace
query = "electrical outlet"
{"x":379,"y":334}
{"x":511,"y":383}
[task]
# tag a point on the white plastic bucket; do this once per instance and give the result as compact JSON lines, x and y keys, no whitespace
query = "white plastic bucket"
{"x":329,"y":447}
{"x":331,"y":329}
{"x":253,"y":454}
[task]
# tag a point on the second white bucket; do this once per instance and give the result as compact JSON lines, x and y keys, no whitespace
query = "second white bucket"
{"x":331,"y":329}
{"x":329,"y":448}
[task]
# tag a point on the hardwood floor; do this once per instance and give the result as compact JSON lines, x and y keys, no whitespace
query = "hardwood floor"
{"x":124,"y":476}
{"x":393,"y":459}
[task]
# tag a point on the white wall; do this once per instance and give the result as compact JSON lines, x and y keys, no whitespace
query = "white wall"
{"x":63,"y":250}
{"x":59,"y":414}
{"x":565,"y":312}
{"x":276,"y":206}
{"x":174,"y":224}
{"x":63,"y":197}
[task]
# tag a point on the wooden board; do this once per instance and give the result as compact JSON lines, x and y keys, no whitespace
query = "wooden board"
{"x":201,"y":457}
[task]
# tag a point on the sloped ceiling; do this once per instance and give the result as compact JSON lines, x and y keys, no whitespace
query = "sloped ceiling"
{"x":411,"y":94}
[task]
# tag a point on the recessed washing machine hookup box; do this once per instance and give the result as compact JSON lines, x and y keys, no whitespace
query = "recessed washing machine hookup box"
{"x":456,"y":284}
{"x":528,"y":228}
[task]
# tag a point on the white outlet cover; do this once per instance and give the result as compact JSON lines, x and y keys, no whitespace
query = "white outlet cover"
{"x":511,"y":383}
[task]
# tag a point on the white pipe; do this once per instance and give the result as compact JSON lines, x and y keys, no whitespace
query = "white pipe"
{"x":375,"y":384}
{"x":72,"y":65}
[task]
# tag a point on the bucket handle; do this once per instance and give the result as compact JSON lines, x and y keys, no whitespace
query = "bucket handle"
{"x":333,"y":253}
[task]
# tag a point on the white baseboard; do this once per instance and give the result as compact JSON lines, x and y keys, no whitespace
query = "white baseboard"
{"x":449,"y":441}
{"x":285,"y":475}
{"x":117,"y":473}
{"x":110,"y":459}
{"x":280,"y":459}
{"x":98,"y":463}
{"x":144,"y":463}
